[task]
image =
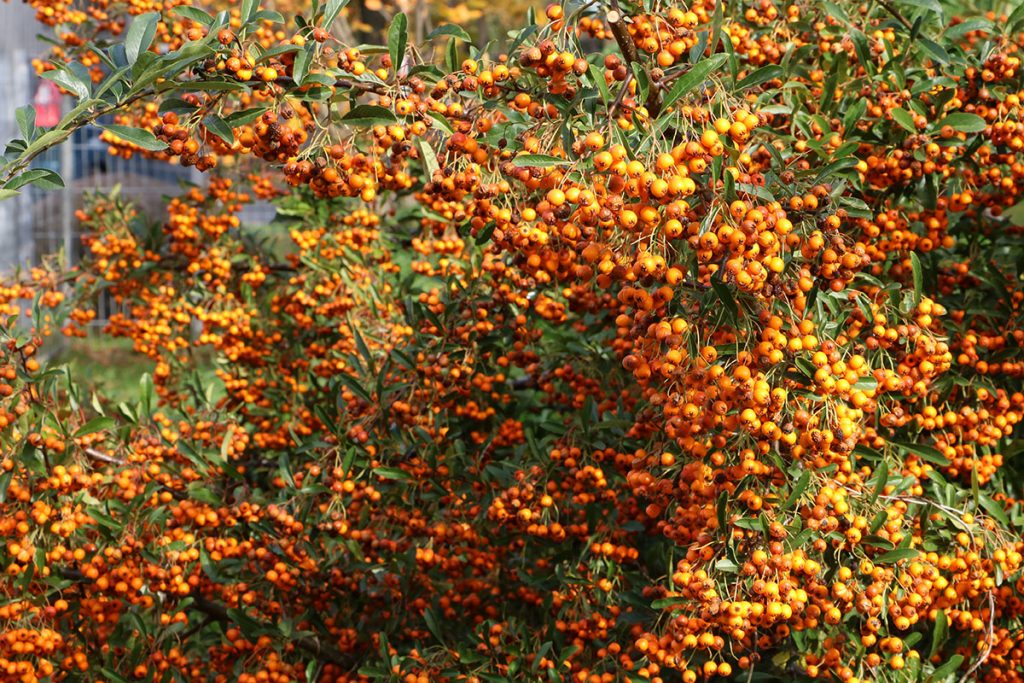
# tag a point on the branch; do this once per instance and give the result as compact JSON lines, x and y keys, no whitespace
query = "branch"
{"x":103,"y":457}
{"x":622,"y":94}
{"x":621,"y":34}
{"x":896,"y":13}
{"x":111,"y":460}
{"x":629,"y":51}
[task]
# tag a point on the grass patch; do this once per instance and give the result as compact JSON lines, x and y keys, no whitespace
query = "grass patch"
{"x":111,"y":368}
{"x":107,"y":366}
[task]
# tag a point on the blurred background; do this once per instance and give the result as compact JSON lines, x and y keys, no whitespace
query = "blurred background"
{"x":41,"y":223}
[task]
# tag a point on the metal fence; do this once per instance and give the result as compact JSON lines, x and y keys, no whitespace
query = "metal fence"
{"x":16,"y":225}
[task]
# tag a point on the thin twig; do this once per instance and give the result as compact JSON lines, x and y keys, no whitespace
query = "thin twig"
{"x":896,"y":13}
{"x":103,"y":457}
{"x":622,"y":94}
{"x":988,"y":639}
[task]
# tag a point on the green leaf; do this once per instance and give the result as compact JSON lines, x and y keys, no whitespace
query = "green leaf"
{"x":441,"y":122}
{"x":951,"y":665}
{"x":392,"y":473}
{"x":716,"y":25}
{"x":41,"y":177}
{"x":836,"y":12}
{"x":240,"y":118}
{"x":994,"y":509}
{"x":894,"y":556}
{"x":450,"y":30}
{"x":97,"y":424}
{"x":881,"y":479}
{"x":136,"y":136}
{"x":146,"y":391}
{"x":486,"y":232}
{"x":369,"y":115}
{"x":140,"y":35}
{"x":836,"y":167}
{"x":220,"y":128}
{"x":915,"y":264}
{"x":248,"y":11}
{"x":1015,"y":18}
{"x":940,"y":632}
{"x":26,"y":117}
{"x":964,"y":122}
{"x":68,"y":81}
{"x":193,"y":13}
{"x":539,"y":160}
{"x":798,"y":490}
{"x":765,"y":73}
{"x":724,"y":295}
{"x":353,"y":384}
{"x":692,"y":78}
{"x":904,"y":119}
{"x":929,"y":453}
{"x":665,"y":603}
{"x":332,"y":10}
{"x":428,"y":157}
{"x":300,"y":69}
{"x":398,"y":37}
{"x":430,"y":619}
{"x":937,"y":52}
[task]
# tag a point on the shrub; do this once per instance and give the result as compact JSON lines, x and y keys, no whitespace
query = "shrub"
{"x":657,"y":343}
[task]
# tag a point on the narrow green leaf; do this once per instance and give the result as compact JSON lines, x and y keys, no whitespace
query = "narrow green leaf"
{"x":40,"y":177}
{"x":994,"y":509}
{"x":929,"y":453}
{"x":881,"y":479}
{"x":248,"y":11}
{"x":140,"y":35}
{"x":692,"y":78}
{"x":665,"y":603}
{"x":721,"y":510}
{"x":541,"y":160}
{"x":136,"y":136}
{"x":332,"y":10}
{"x":220,"y":128}
{"x":964,"y":122}
{"x":194,"y":14}
{"x":894,"y":556}
{"x":940,"y":632}
{"x":369,"y":115}
{"x":97,"y":424}
{"x":765,"y":73}
{"x":904,"y":119}
{"x":915,"y":264}
{"x":943,"y":672}
{"x":452,"y":30}
{"x":798,"y":490}
{"x":392,"y":473}
{"x":68,"y":81}
{"x":724,"y":295}
{"x":26,"y":117}
{"x":398,"y":37}
{"x":428,"y":157}
{"x":300,"y":68}
{"x":240,"y":118}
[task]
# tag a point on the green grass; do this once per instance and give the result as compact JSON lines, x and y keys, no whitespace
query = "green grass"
{"x":106,"y":366}
{"x":111,"y":369}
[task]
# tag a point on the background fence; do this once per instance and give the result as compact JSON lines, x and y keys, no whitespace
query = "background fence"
{"x":40,"y":223}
